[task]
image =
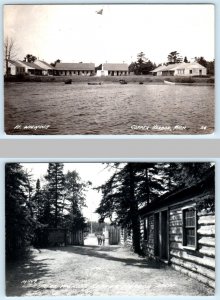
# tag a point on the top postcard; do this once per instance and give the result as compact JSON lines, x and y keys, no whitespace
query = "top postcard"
{"x":109,"y":69}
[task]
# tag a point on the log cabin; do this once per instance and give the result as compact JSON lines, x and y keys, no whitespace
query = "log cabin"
{"x":179,"y":229}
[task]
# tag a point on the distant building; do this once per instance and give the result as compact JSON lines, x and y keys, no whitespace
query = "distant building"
{"x":31,"y":68}
{"x":47,"y":68}
{"x":15,"y":68}
{"x":180,"y":69}
{"x":69,"y":69}
{"x":113,"y":70}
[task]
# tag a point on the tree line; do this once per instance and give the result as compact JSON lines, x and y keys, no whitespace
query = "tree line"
{"x":134,"y":185}
{"x":31,"y":208}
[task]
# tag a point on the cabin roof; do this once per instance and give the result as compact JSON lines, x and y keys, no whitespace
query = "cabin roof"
{"x":15,"y":63}
{"x":177,"y":196}
{"x":75,"y":66}
{"x":47,"y":66}
{"x":115,"y":67}
{"x":31,"y":65}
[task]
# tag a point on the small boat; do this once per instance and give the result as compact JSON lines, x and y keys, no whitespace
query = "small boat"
{"x":94,"y":83}
{"x":169,"y":82}
{"x":122,"y":81}
{"x":68,"y":81}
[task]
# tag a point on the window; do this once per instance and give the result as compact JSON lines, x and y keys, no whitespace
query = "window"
{"x":146,"y":229}
{"x":189,"y":227}
{"x":190,"y":71}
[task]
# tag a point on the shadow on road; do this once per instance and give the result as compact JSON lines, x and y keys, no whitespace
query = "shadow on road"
{"x":21,"y":276}
{"x":104,"y":252}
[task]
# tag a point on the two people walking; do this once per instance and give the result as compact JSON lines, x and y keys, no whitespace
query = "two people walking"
{"x":100,"y":239}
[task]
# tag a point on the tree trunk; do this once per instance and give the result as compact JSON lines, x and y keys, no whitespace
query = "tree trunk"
{"x":147,"y":185}
{"x":134,"y":212}
{"x":56,"y":203}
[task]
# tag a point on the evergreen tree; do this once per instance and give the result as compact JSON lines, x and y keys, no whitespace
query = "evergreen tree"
{"x":130,"y":187}
{"x":174,"y":58}
{"x":75,"y":200}
{"x":55,"y":187}
{"x":142,"y":66}
{"x":20,"y":224}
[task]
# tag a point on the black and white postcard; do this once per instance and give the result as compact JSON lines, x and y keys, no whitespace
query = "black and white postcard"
{"x":109,"y":69}
{"x":110,"y":229}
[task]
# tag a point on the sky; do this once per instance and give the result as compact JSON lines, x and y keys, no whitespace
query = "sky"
{"x":76,"y":33}
{"x":97,"y":173}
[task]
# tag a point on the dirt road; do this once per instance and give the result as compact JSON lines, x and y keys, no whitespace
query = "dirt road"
{"x":96,"y":271}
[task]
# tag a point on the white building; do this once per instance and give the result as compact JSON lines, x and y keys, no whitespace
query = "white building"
{"x":113,"y":70}
{"x":180,"y":69}
{"x":15,"y":68}
{"x":47,"y":68}
{"x":69,"y":69}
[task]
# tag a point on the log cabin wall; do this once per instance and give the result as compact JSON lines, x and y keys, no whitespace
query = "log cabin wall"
{"x":198,"y":263}
{"x":148,"y":237}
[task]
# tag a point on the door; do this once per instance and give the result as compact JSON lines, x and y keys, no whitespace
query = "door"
{"x":156,"y":235}
{"x":161,"y":234}
{"x":164,"y":235}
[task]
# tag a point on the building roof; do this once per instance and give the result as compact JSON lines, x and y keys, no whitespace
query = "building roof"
{"x":115,"y":67}
{"x":31,"y":65}
{"x":169,"y":67}
{"x":181,"y":194}
{"x":45,"y":64}
{"x":15,"y":63}
{"x":75,"y":66}
{"x":173,"y":67}
{"x":193,"y":65}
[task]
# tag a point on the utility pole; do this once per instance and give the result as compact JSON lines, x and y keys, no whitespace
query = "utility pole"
{"x":91,"y":223}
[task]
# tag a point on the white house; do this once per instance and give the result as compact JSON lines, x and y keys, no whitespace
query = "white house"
{"x":180,"y":69}
{"x":15,"y":68}
{"x":113,"y":70}
{"x":31,"y":68}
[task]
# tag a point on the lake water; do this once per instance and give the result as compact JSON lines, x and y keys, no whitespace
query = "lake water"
{"x":111,"y":108}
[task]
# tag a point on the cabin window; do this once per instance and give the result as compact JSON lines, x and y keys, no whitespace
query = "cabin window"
{"x":146,"y":230}
{"x":189,"y":227}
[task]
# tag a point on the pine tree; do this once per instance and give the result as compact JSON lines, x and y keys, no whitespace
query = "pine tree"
{"x":55,"y":187}
{"x":20,"y":224}
{"x":75,"y":200}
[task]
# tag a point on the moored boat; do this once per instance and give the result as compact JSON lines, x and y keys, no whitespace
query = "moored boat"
{"x":94,"y":83}
{"x":68,"y":81}
{"x":169,"y":82}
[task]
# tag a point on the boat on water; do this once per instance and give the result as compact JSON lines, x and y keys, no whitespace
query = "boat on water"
{"x":68,"y":81}
{"x":122,"y":81}
{"x":94,"y":83}
{"x":169,"y":82}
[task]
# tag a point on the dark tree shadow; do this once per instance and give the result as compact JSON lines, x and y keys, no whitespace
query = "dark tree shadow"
{"x":104,"y":252}
{"x":21,"y":274}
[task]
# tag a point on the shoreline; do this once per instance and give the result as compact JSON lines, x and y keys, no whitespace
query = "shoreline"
{"x":145,"y":79}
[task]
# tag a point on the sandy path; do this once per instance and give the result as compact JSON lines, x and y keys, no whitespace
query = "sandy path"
{"x":98,"y":271}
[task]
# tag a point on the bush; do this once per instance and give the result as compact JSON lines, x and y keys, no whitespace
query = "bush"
{"x":201,"y":76}
{"x":211,"y":80}
{"x":184,"y":80}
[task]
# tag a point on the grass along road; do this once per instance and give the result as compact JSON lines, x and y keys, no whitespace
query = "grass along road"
{"x":93,"y":270}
